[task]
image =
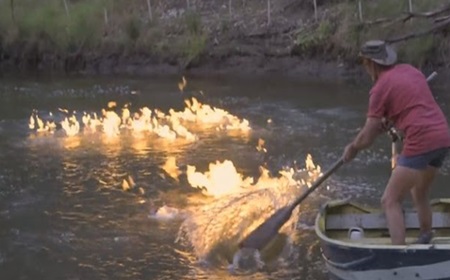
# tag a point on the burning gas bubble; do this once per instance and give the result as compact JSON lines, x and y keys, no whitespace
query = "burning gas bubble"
{"x":35,"y":122}
{"x":221,"y":179}
{"x":111,"y":123}
{"x":32,"y":122}
{"x":260,"y":147}
{"x":310,"y":166}
{"x":182,"y":84}
{"x":112,"y":104}
{"x":213,"y":230}
{"x":71,"y":125}
{"x":128,"y":184}
{"x":170,"y":166}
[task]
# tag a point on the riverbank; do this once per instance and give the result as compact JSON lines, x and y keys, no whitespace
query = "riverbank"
{"x":246,"y":37}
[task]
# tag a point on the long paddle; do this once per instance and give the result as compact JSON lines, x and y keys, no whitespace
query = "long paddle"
{"x":264,"y":233}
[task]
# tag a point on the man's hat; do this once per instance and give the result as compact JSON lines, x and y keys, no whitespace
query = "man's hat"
{"x":379,"y":52}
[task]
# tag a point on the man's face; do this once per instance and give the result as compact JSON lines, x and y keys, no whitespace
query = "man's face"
{"x":369,"y":66}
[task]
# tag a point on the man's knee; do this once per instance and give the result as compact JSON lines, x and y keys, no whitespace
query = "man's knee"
{"x":401,"y":182}
{"x":388,"y":201}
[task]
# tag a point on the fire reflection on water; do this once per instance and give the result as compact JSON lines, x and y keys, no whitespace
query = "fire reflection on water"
{"x":236,"y":204}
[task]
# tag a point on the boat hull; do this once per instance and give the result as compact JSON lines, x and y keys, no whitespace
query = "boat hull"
{"x":345,"y":263}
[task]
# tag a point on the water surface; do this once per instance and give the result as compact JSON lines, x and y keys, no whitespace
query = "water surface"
{"x":64,"y":213}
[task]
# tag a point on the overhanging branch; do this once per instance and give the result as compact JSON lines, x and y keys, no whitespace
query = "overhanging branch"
{"x":409,"y":16}
{"x":428,"y":31}
{"x":431,"y":13}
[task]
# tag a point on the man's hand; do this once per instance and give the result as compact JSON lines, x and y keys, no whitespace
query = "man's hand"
{"x":386,"y":124}
{"x":350,"y":153}
{"x":365,"y":138}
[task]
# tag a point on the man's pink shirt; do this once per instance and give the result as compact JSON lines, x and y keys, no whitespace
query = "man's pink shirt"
{"x":402,"y":95}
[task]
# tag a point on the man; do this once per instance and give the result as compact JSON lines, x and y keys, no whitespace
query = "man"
{"x":401,"y":96}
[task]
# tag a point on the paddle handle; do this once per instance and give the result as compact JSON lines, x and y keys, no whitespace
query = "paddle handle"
{"x":432,"y":76}
{"x":318,"y":182}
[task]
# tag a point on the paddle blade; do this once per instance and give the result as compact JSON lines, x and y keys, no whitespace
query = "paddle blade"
{"x":265,"y":232}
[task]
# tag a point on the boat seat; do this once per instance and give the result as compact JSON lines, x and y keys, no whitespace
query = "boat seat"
{"x":378,"y":221}
{"x":375,"y":240}
{"x":387,"y":241}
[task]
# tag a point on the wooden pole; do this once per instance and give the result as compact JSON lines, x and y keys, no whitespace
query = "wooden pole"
{"x":410,"y":6}
{"x":315,"y":9}
{"x":229,"y":7}
{"x":149,"y":7}
{"x":12,"y":11}
{"x":360,"y":11}
{"x":268,"y":12}
{"x":105,"y":12}
{"x":66,"y":7}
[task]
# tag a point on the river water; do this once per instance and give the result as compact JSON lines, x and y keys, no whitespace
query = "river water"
{"x":87,"y":206}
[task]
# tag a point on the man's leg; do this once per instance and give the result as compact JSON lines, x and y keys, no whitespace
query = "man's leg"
{"x":420,"y":194}
{"x":401,"y":182}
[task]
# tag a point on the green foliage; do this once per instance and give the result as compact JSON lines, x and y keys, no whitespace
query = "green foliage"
{"x":133,"y":29}
{"x":418,"y":51}
{"x":46,"y":21}
{"x":196,"y":39}
{"x":85,"y":24}
{"x":193,"y":22}
{"x":309,"y":39}
{"x":195,"y":46}
{"x":349,"y":33}
{"x":50,"y":25}
{"x":383,"y":8}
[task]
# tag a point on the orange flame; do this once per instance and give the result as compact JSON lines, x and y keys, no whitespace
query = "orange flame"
{"x":169,"y":126}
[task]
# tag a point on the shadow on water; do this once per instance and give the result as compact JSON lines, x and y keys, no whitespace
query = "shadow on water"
{"x":64,"y":212}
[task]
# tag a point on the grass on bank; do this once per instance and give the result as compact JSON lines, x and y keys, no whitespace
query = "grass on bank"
{"x":97,"y":26}
{"x":49,"y":27}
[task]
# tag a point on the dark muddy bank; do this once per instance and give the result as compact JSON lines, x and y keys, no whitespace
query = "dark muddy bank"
{"x":142,"y":65}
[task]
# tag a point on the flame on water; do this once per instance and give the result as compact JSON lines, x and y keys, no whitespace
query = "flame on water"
{"x":221,"y":179}
{"x":182,"y":84}
{"x":39,"y":125}
{"x":168,"y":126}
{"x":128,"y":184}
{"x":170,"y":166}
{"x":260,"y":147}
{"x":240,"y":206}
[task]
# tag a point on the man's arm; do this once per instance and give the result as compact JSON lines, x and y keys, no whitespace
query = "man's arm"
{"x":372,"y":128}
